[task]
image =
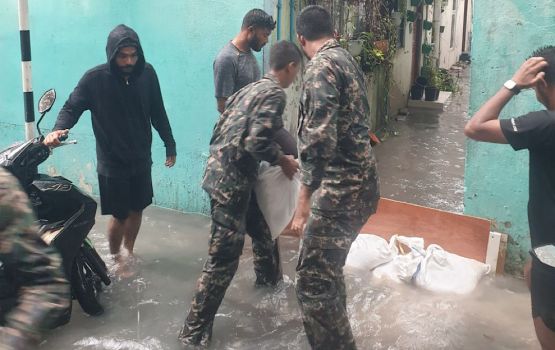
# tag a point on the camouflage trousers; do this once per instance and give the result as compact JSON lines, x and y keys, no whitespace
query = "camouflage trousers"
{"x":229,"y":223}
{"x":320,"y":284}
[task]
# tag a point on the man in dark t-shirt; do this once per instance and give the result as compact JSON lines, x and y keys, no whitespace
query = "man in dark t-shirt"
{"x":535,"y":132}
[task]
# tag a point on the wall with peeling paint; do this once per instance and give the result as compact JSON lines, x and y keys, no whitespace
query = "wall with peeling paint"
{"x":505,"y":33}
{"x":180,"y":39}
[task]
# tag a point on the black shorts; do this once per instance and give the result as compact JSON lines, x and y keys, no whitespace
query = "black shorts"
{"x":119,"y":195}
{"x":543,"y":292}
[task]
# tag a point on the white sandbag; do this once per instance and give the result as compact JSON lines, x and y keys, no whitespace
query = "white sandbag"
{"x":276,"y":196}
{"x":408,"y":254}
{"x":367,"y":252}
{"x":444,"y":272}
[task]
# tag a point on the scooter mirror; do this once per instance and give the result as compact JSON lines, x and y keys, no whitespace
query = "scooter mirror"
{"x":47,"y":101}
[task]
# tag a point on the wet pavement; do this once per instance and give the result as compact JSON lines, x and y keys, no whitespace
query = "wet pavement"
{"x":423,"y":165}
{"x":146,"y":312}
{"x":424,"y":162}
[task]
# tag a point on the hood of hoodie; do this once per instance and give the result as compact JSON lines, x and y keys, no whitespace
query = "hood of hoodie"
{"x":122,"y":36}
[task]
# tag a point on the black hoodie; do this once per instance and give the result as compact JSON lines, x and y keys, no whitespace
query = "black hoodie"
{"x":122,"y":113}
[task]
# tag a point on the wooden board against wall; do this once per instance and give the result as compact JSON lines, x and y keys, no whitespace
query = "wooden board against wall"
{"x":460,"y":234}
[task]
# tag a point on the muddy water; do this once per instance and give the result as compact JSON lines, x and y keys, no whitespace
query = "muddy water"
{"x":146,"y":312}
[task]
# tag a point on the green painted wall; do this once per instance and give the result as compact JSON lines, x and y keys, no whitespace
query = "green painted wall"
{"x":505,"y":33}
{"x":180,"y":39}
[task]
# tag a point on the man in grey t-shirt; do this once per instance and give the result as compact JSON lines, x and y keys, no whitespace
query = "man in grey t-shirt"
{"x":235,"y":66}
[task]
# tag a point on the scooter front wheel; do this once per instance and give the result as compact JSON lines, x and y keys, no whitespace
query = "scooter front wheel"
{"x":84,"y":283}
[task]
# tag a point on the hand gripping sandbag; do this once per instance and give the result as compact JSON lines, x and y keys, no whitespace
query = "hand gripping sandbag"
{"x":276,"y":196}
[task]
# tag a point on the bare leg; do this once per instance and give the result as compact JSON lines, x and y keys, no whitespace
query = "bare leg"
{"x":132,"y":225}
{"x":116,"y":229}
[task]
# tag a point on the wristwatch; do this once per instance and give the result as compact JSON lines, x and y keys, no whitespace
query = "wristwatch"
{"x":511,"y":86}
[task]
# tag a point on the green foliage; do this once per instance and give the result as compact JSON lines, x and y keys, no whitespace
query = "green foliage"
{"x":439,"y":77}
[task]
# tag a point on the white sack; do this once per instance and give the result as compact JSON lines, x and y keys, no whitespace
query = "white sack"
{"x":444,"y":272}
{"x":408,"y":253}
{"x":367,"y":252}
{"x":276,"y":196}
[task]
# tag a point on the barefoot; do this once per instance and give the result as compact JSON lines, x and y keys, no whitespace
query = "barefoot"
{"x":123,"y":270}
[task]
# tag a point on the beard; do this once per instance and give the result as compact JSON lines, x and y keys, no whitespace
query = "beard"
{"x":255,"y":45}
{"x":127,"y":70}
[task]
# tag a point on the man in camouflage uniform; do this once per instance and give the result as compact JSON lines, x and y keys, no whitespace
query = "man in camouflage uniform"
{"x":29,"y":271}
{"x":338,"y":175}
{"x":243,"y":136}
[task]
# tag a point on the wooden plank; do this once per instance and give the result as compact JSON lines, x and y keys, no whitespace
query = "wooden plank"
{"x":460,"y":234}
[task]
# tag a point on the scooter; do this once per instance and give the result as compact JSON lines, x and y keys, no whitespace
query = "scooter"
{"x":65,"y":215}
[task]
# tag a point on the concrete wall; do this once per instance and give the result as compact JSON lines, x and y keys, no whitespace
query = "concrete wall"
{"x":180,"y":39}
{"x":496,"y":179}
{"x":401,"y":72}
{"x":450,"y":55}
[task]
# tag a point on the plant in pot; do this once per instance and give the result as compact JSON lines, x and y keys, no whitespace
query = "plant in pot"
{"x":431,"y":92}
{"x":429,"y":2}
{"x":417,"y":89}
{"x":427,"y":48}
{"x":415,"y":2}
{"x":427,"y":25}
{"x":411,"y":16}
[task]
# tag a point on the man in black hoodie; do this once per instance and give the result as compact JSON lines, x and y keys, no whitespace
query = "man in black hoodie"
{"x":124,"y":98}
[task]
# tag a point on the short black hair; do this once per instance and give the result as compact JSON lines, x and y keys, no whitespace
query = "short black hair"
{"x":548,"y":53}
{"x":314,"y":22}
{"x":282,"y":53}
{"x":257,"y":18}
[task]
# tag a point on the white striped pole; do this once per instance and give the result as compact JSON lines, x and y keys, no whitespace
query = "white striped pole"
{"x":26,"y":72}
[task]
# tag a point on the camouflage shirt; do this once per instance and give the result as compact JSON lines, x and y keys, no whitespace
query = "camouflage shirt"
{"x":35,"y":269}
{"x":244,"y":136}
{"x":334,"y":143}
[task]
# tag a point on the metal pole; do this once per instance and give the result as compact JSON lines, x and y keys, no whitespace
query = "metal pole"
{"x":26,"y":76}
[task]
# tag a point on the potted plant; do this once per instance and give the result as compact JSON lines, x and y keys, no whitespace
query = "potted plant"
{"x":427,"y":48}
{"x":415,"y":2}
{"x":429,"y":2}
{"x":382,"y":45}
{"x":355,"y":47}
{"x":411,"y":16}
{"x":417,"y":89}
{"x":431,"y":92}
{"x":427,"y":25}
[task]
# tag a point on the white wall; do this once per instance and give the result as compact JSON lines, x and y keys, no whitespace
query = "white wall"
{"x":450,"y":55}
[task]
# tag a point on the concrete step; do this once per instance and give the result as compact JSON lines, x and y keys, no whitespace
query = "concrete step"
{"x":438,"y":105}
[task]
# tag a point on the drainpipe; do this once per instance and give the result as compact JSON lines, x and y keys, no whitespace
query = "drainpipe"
{"x":26,"y":76}
{"x":436,"y":24}
{"x":292,"y":20}
{"x":279,"y":5}
{"x":464,"y":25}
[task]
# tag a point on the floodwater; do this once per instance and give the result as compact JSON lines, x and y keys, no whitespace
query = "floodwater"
{"x":146,"y":312}
{"x":422,"y":160}
{"x":424,"y":164}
